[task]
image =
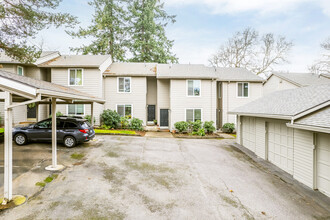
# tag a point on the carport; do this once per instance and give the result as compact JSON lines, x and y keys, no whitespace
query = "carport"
{"x":18,"y":90}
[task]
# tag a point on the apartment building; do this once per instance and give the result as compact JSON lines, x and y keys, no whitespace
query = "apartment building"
{"x":148,"y":91}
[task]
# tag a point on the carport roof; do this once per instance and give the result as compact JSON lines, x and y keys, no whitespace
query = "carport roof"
{"x":288,"y":104}
{"x":32,"y":87}
{"x":320,"y":118}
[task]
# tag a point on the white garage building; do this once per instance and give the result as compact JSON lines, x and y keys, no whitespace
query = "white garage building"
{"x":291,"y":129}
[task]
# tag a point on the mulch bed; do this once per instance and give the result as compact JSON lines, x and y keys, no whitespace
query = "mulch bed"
{"x":189,"y":136}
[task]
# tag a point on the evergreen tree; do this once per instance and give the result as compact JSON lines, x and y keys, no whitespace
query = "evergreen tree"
{"x":20,"y":20}
{"x":148,"y":42}
{"x":107,"y":29}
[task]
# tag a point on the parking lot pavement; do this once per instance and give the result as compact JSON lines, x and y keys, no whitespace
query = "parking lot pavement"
{"x":166,"y":178}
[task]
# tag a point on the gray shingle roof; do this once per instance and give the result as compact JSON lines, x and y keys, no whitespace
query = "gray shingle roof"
{"x":6,"y":59}
{"x":131,"y":69}
{"x":237,"y":74}
{"x":302,"y":79}
{"x":77,"y":61}
{"x":184,"y":71}
{"x":287,"y":102}
{"x":39,"y":84}
{"x":319,"y":118}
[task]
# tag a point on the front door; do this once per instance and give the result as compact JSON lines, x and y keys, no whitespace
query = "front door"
{"x":163,"y":118}
{"x":31,"y":111}
{"x":151,"y":112}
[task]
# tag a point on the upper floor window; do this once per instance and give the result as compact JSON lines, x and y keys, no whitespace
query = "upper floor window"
{"x":76,"y":109}
{"x":242,"y":89}
{"x":125,"y":110}
{"x":124,"y":84}
{"x":20,"y":71}
{"x":75,"y":77}
{"x":194,"y":114}
{"x":194,"y":87}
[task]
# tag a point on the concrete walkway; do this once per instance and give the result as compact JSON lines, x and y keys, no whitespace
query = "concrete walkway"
{"x":159,"y":134}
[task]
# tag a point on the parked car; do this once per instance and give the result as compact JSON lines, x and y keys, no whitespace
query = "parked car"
{"x":70,"y":131}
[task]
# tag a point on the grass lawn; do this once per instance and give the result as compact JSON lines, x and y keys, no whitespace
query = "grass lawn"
{"x":103,"y":131}
{"x":2,"y":130}
{"x":233,"y":135}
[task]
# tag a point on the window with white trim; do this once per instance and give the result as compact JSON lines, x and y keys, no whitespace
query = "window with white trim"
{"x":125,"y":110}
{"x":124,"y":84}
{"x":194,"y":114}
{"x":242,"y":89}
{"x":75,"y":77}
{"x":76,"y":109}
{"x":194,"y":87}
{"x":20,"y":71}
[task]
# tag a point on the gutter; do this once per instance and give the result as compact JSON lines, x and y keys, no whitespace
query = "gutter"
{"x":308,"y":127}
{"x":284,"y":117}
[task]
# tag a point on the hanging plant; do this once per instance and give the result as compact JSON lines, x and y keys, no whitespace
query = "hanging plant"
{"x":32,"y":105}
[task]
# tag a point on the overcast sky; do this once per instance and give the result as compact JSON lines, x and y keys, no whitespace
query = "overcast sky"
{"x":203,"y":25}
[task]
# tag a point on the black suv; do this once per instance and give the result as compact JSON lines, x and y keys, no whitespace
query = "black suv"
{"x":70,"y":131}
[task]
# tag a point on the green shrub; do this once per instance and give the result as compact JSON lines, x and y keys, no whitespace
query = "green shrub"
{"x":110,"y":119}
{"x":155,"y":122}
{"x":89,"y":119}
{"x":136,"y":124}
{"x":228,"y":127}
{"x":208,"y":127}
{"x":124,"y":122}
{"x":181,"y":126}
{"x":58,"y":114}
{"x":200,"y":132}
{"x":195,"y":126}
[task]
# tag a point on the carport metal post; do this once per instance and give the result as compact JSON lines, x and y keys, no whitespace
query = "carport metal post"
{"x":54,"y":134}
{"x":8,"y":157}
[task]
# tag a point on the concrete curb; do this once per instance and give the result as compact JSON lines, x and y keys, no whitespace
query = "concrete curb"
{"x":135,"y":135}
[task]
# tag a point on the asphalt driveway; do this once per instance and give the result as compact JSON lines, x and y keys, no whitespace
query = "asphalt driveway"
{"x":166,"y":178}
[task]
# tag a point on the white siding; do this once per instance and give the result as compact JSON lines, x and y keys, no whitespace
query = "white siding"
{"x":249,"y":133}
{"x":280,"y":145}
{"x":231,"y":101}
{"x":275,"y":83}
{"x":20,"y":114}
{"x":303,"y":156}
{"x":137,"y":97}
{"x":180,"y":101}
{"x":163,"y":98}
{"x":92,"y":84}
{"x":151,"y":91}
{"x":323,"y":163}
{"x":260,"y":138}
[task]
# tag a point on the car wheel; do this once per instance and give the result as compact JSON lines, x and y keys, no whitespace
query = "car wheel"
{"x":69,"y":141}
{"x":20,"y":139}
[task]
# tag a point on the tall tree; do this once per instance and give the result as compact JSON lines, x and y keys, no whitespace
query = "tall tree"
{"x":108,"y":30}
{"x":20,"y":20}
{"x":149,"y":43}
{"x":323,"y":65}
{"x":257,"y":54}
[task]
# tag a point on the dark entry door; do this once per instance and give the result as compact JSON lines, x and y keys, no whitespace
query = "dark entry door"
{"x":164,"y":118}
{"x":31,"y":112}
{"x":151,"y":112}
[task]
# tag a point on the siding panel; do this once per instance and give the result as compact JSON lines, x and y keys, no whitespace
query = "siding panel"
{"x":303,"y":156}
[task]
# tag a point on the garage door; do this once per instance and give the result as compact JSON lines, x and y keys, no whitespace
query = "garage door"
{"x":323,"y":163}
{"x":249,"y":133}
{"x":280,"y":146}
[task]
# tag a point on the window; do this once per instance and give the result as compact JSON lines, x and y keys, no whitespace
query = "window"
{"x":124,"y":84}
{"x":70,"y":125}
{"x":125,"y":110}
{"x":20,"y":71}
{"x":194,"y":87}
{"x":243,"y":89}
{"x":193,"y":115}
{"x":75,"y":77}
{"x":44,"y":124}
{"x":76,"y":109}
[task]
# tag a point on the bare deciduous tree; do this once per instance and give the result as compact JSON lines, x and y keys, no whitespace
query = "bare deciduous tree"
{"x":323,"y":65}
{"x":257,"y":54}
